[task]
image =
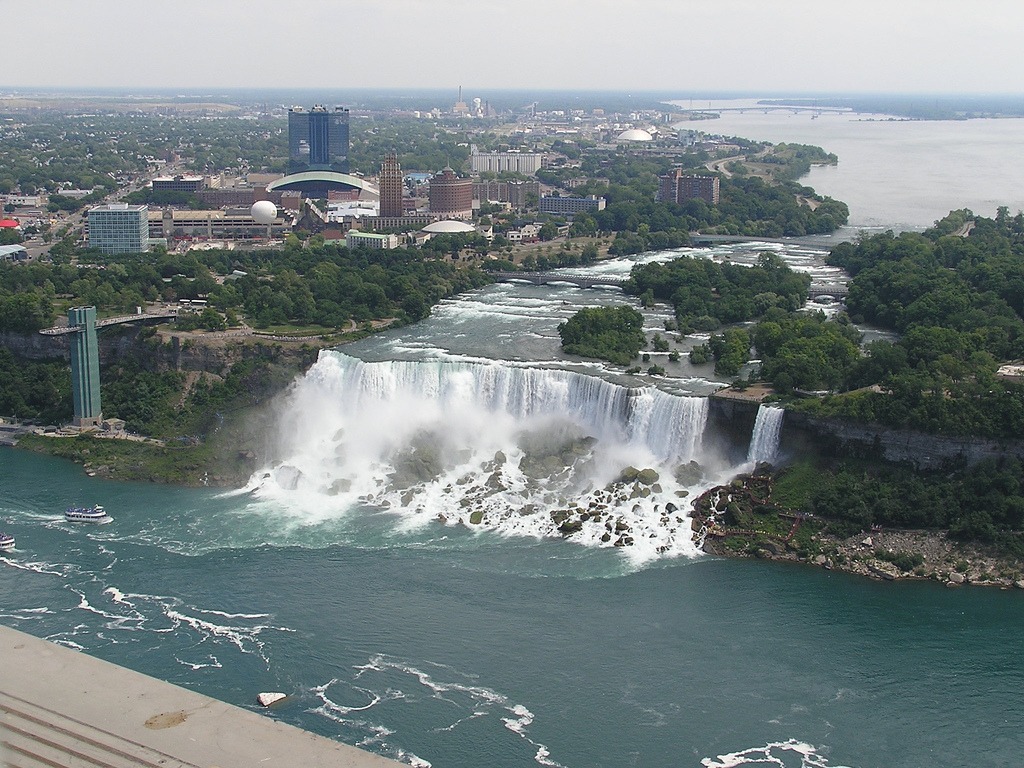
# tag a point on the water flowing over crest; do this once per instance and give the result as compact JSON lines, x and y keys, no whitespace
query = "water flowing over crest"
{"x":764,"y":442}
{"x":525,"y":451}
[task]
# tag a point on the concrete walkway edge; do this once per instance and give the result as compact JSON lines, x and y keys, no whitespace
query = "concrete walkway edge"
{"x":59,"y":707}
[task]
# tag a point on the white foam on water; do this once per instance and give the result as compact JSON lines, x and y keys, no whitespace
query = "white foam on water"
{"x":117,"y":596}
{"x":523,"y":718}
{"x":245,"y":638}
{"x":774,"y":753}
{"x":442,"y":683}
{"x":211,"y":663}
{"x":49,"y":569}
{"x":66,"y":643}
{"x":25,"y":614}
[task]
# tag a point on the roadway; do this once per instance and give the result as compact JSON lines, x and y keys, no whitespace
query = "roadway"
{"x":75,"y":221}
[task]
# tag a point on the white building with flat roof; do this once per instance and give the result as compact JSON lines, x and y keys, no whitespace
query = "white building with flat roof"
{"x":526,"y":163}
{"x":356,"y":239}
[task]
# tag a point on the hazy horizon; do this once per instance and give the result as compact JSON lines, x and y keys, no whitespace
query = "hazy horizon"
{"x":924,"y":47}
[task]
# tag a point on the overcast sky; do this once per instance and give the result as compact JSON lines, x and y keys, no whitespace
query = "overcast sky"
{"x":749,"y":45}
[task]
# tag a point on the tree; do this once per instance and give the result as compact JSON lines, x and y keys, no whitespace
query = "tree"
{"x":548,"y":231}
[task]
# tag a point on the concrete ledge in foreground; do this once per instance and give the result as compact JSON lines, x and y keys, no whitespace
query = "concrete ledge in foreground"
{"x":62,"y":709}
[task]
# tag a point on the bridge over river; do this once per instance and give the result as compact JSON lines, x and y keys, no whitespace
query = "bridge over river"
{"x":60,"y":330}
{"x":835,"y":290}
{"x":544,"y":278}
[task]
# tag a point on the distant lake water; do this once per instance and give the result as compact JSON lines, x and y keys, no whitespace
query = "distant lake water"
{"x":893,"y":173}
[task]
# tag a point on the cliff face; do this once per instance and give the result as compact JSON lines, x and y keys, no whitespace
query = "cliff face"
{"x":803,"y":434}
{"x":163,"y":351}
{"x":35,"y":346}
{"x":905,"y":446}
{"x":731,"y":421}
{"x":114,"y":344}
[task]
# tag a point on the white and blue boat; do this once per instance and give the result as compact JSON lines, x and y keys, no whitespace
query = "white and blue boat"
{"x":94,"y":514}
{"x":6,"y":542}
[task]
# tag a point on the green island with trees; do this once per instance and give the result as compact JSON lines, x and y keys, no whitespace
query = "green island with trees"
{"x":615,"y":334}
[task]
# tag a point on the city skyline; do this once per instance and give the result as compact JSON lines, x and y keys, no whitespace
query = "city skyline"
{"x":795,"y":45}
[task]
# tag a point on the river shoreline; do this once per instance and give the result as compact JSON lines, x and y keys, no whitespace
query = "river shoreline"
{"x":738,"y":520}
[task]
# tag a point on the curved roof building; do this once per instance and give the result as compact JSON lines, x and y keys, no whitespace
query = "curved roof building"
{"x":318,"y":183}
{"x":634,"y":134}
{"x":448,"y":227}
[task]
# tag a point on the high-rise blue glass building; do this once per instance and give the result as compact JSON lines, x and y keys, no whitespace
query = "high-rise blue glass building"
{"x":317,"y":139}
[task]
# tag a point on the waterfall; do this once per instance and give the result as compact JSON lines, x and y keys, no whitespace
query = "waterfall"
{"x":764,"y":442}
{"x":408,"y":395}
{"x":496,"y":445}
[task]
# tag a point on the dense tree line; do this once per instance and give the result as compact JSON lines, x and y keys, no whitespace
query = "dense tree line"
{"x":35,"y":390}
{"x":804,"y":351}
{"x":25,"y":312}
{"x":543,"y":262}
{"x":982,"y":503}
{"x":705,"y":293}
{"x":795,"y":160}
{"x":320,"y":284}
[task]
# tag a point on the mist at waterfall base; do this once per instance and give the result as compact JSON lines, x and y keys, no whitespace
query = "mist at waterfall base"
{"x":494,"y":445}
{"x":444,"y":642}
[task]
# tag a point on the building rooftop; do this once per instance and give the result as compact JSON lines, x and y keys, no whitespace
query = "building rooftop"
{"x":328,"y":177}
{"x":448,"y":226}
{"x":9,"y":250}
{"x":635,"y":134}
{"x":119,"y":207}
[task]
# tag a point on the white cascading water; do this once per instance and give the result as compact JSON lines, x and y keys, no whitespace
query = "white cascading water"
{"x":764,"y":441}
{"x":493,"y":446}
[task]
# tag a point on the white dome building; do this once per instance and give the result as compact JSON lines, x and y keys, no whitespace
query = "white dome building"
{"x":448,"y":227}
{"x":264,"y":212}
{"x":634,"y":134}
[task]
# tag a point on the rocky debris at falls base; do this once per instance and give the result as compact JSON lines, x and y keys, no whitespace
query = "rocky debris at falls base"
{"x":740,"y":520}
{"x":607,"y":515}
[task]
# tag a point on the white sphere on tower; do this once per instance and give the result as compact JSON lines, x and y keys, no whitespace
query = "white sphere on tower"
{"x":264,"y":212}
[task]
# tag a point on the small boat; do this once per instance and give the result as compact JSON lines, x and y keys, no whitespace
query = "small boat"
{"x":94,"y":514}
{"x":6,"y":542}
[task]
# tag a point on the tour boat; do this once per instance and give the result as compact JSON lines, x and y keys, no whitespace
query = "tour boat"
{"x":95,"y":514}
{"x":6,"y":542}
